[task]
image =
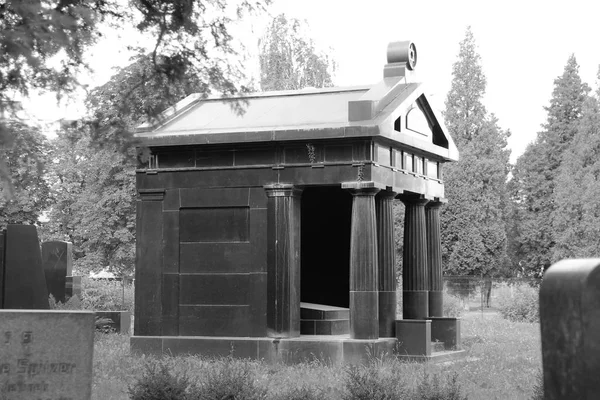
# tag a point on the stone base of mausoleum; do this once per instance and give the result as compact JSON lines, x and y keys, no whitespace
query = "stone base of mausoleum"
{"x":335,"y":350}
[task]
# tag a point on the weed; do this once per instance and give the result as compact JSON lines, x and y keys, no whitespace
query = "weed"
{"x":432,"y":388}
{"x":372,"y":383}
{"x":159,"y":383}
{"x":229,"y":379}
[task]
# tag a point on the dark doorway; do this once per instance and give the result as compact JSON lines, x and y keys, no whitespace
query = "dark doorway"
{"x":325,"y":245}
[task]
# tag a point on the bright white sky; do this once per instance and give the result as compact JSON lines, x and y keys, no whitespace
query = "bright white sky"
{"x":524,"y":45}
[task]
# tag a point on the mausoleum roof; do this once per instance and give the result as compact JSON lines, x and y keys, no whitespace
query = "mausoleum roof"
{"x":382,"y":110}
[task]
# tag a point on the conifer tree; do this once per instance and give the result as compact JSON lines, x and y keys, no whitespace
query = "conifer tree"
{"x":576,"y":220}
{"x":536,"y":171}
{"x":473,"y":222}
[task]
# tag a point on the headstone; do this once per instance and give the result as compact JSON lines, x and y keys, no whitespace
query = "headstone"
{"x":24,"y":285}
{"x":73,"y":286}
{"x":58,"y":264}
{"x":46,"y":354}
{"x":570,"y":325}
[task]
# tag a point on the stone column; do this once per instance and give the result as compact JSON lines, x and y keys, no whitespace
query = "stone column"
{"x":283,"y":260}
{"x":434,"y":259}
{"x":415,"y":277}
{"x":386,"y":270}
{"x":363,"y":262}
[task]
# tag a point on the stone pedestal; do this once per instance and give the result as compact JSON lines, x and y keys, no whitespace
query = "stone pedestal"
{"x":386,"y":269}
{"x":446,"y":330}
{"x":414,"y":337}
{"x":283,"y":260}
{"x":364,"y":297}
{"x":434,"y":259}
{"x":415,"y":276}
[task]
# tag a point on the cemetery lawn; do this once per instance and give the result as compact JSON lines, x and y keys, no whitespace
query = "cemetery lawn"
{"x":502,"y":362}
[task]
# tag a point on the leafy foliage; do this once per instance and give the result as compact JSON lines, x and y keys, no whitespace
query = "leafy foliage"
{"x":522,"y":307}
{"x":289,"y":59}
{"x":473,"y":222}
{"x":25,"y":201}
{"x":535,"y":174}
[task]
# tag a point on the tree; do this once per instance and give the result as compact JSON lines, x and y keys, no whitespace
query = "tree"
{"x":289,"y":59}
{"x":474,"y":221}
{"x":534,"y":177}
{"x":43,"y":43}
{"x":25,"y":168}
{"x":576,"y":221}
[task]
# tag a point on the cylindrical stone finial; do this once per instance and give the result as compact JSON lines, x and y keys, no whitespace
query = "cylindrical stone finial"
{"x":402,"y":52}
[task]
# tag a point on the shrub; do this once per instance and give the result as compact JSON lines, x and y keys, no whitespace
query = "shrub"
{"x":229,"y":379}
{"x":371,"y":382}
{"x":159,"y":383}
{"x":105,"y":295}
{"x":435,"y":389}
{"x":522,"y":306}
{"x":304,"y":392}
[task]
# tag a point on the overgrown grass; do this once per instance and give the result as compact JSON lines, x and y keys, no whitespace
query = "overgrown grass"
{"x":502,"y":361}
{"x":99,"y":295}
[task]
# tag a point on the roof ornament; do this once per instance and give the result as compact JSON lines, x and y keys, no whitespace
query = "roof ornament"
{"x":401,"y":58}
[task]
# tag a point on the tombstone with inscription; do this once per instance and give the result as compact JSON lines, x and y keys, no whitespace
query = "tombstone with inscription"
{"x":46,"y":354}
{"x":22,"y":280}
{"x":570,"y":326}
{"x":270,"y":233}
{"x":58,"y":264}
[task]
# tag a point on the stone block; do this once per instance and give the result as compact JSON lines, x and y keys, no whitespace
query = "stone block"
{"x":446,"y":330}
{"x":57,"y":260}
{"x":414,"y":337}
{"x":46,"y":354}
{"x":570,"y":327}
{"x":72,"y":286}
{"x":24,"y":279}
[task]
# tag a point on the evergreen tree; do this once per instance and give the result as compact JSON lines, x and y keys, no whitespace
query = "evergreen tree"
{"x":536,"y":171}
{"x":576,"y":220}
{"x":289,"y":59}
{"x":473,"y":223}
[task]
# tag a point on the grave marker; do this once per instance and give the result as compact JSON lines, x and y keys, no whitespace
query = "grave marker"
{"x":46,"y":354}
{"x":58,"y":264}
{"x":570,"y":325}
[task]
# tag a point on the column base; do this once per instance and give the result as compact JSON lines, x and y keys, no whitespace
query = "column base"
{"x":415,"y":304}
{"x":364,"y":315}
{"x":414,"y":337}
{"x":446,"y":330}
{"x":436,"y":303}
{"x":387,"y":314}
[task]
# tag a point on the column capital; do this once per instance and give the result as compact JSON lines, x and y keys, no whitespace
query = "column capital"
{"x":413,"y":199}
{"x":361,"y":188}
{"x":387,"y":194}
{"x":282,"y":190}
{"x":437,"y":202}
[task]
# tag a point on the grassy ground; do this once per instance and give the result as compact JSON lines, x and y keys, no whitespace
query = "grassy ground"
{"x":501,"y":363}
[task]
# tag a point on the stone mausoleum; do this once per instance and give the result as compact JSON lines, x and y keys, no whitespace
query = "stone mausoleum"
{"x":265,"y":225}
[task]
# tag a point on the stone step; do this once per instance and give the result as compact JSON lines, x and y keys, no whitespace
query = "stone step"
{"x":437,"y":346}
{"x":324,"y":327}
{"x":312,"y":311}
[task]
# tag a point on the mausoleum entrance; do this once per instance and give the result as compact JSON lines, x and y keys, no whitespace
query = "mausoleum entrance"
{"x":326,"y":213}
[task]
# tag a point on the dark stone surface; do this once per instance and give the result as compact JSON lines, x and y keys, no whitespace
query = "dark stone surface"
{"x":215,"y":320}
{"x":386,"y":268}
{"x":211,"y":347}
{"x":283,"y":260}
{"x":58,"y":264}
{"x":364,"y":299}
{"x":215,"y":197}
{"x":436,"y":303}
{"x":570,"y":327}
{"x":2,"y":254}
{"x":215,"y":289}
{"x":170,"y":241}
{"x":148,"y":271}
{"x":216,"y":257}
{"x":446,"y":330}
{"x":215,"y":224}
{"x":321,"y":311}
{"x":332,"y":327}
{"x":434,"y":259}
{"x":414,"y":337}
{"x":415,"y":273}
{"x":170,"y":304}
{"x":24,"y":279}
